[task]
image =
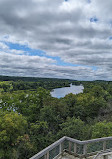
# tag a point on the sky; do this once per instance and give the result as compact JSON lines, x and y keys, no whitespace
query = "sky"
{"x":69,"y":39}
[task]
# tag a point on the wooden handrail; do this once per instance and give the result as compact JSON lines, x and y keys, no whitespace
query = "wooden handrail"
{"x":88,"y":141}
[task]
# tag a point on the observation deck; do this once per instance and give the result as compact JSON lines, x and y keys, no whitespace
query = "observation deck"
{"x":68,"y":148}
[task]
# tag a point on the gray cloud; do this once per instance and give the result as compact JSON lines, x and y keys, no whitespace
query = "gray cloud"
{"x":60,"y":29}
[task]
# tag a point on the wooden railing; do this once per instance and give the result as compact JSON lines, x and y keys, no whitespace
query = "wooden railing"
{"x":75,"y":147}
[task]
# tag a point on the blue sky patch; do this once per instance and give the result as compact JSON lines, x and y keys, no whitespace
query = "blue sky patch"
{"x":29,"y":51}
{"x":93,"y":19}
{"x":110,"y":38}
{"x":94,"y":68}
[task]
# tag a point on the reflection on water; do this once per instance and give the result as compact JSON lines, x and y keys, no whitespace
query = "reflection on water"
{"x":61,"y":92}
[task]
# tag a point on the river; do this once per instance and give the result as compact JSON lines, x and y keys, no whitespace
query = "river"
{"x":61,"y":92}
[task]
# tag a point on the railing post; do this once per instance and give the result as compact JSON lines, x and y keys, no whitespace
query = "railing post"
{"x":84,"y":149}
{"x":61,"y":148}
{"x":46,"y":155}
{"x":104,"y":145}
{"x":70,"y":146}
{"x":75,"y":148}
{"x":104,"y":148}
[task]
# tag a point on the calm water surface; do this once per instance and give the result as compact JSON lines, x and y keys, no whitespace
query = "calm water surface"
{"x":61,"y":92}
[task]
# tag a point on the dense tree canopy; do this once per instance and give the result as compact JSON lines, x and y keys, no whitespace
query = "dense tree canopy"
{"x":12,"y":126}
{"x":30,"y":119}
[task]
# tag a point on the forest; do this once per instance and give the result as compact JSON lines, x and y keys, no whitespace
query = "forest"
{"x":30,"y":119}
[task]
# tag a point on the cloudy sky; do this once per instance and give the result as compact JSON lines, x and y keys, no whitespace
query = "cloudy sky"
{"x":56,"y":38}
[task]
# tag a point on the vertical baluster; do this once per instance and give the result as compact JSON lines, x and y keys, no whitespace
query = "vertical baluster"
{"x":84,"y":149}
{"x":70,"y":146}
{"x":61,"y":148}
{"x":56,"y":151}
{"x":104,"y":145}
{"x":46,"y":156}
{"x":75,"y":148}
{"x":104,"y":148}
